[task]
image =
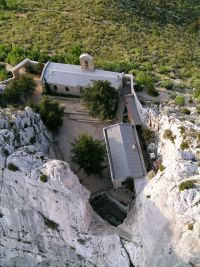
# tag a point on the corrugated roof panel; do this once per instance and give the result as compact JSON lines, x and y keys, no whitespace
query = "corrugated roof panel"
{"x":125,"y":155}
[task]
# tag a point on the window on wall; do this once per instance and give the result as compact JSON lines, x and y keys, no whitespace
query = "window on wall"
{"x":86,"y":64}
{"x":55,"y":87}
{"x":67,"y":89}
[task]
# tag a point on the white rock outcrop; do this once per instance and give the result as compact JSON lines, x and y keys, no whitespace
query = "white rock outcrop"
{"x":165,"y":222}
{"x":45,"y":215}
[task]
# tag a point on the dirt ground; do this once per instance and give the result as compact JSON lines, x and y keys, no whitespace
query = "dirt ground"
{"x":76,"y":121}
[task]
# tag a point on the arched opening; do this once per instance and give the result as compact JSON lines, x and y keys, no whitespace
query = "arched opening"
{"x":55,"y":87}
{"x":67,"y":89}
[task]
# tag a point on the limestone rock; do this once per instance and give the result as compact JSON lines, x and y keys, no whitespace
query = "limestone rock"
{"x":45,"y":215}
{"x":164,"y":222}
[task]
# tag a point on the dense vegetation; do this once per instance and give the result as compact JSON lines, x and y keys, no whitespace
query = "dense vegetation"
{"x":154,"y":36}
{"x":89,"y":154}
{"x":51,"y":113}
{"x":19,"y":91}
{"x":101,"y":100}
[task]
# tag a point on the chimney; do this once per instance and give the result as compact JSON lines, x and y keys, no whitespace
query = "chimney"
{"x":87,"y":62}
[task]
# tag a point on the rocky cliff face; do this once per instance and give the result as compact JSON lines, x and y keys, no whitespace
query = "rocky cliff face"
{"x":46,"y":218}
{"x":165,"y":222}
{"x":45,"y":215}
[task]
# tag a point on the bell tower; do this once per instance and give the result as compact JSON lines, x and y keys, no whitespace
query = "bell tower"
{"x":87,"y":62}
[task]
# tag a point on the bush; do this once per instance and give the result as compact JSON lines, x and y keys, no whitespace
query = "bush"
{"x":179,"y":100}
{"x":12,"y":167}
{"x":4,"y":74}
{"x":144,"y":79}
{"x":184,"y":145}
{"x":161,"y":168}
{"x":186,"y":111}
{"x":186,"y":185}
{"x":43,"y":178}
{"x":89,"y":154}
{"x":168,"y":84}
{"x":190,"y":226}
{"x":152,"y":92}
{"x":148,"y":134}
{"x":51,"y":113}
{"x":196,"y":90}
{"x":19,"y":91}
{"x":168,"y":135}
{"x":182,"y":130}
{"x":101,"y":100}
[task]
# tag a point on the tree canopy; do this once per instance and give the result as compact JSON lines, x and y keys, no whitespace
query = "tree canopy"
{"x":19,"y":91}
{"x":89,"y":154}
{"x":101,"y":100}
{"x":51,"y":113}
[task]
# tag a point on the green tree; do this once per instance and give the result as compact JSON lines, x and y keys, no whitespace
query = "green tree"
{"x":19,"y":91}
{"x":3,"y":4}
{"x":101,"y":100}
{"x":51,"y":113}
{"x":89,"y":154}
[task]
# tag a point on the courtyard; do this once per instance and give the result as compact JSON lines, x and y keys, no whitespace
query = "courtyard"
{"x":76,"y":120}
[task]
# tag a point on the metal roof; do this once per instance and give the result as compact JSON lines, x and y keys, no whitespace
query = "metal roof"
{"x":124,"y":152}
{"x":133,"y":113}
{"x":74,"y":75}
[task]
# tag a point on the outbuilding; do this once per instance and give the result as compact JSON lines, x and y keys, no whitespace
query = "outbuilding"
{"x":124,"y":153}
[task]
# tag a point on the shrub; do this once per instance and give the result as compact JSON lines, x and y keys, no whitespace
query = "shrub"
{"x":152,"y":92}
{"x":19,"y":91}
{"x":43,"y":178}
{"x":182,"y":130}
{"x":186,"y":185}
{"x":168,"y":135}
{"x":186,"y":111}
{"x":190,"y":226}
{"x":148,"y":134}
{"x":184,"y":145}
{"x":179,"y":100}
{"x":168,"y":84}
{"x":196,"y":90}
{"x":51,"y":113}
{"x":161,"y":168}
{"x":145,"y":79}
{"x":12,"y":167}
